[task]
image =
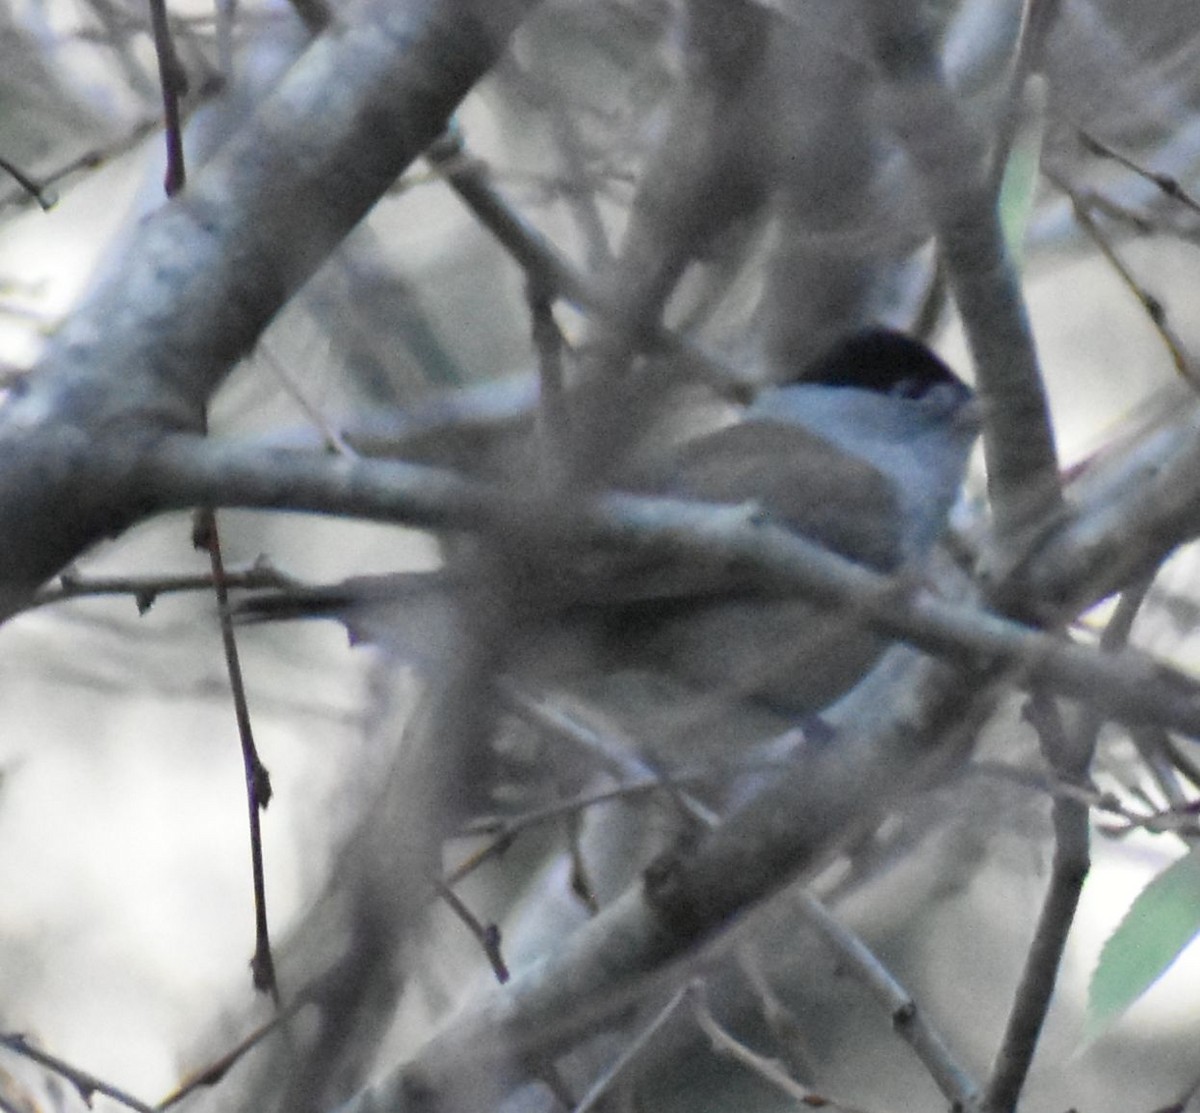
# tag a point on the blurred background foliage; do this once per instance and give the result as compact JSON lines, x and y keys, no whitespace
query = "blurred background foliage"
{"x":126,"y":914}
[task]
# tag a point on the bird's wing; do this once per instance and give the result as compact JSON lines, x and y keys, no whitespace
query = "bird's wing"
{"x":794,"y":478}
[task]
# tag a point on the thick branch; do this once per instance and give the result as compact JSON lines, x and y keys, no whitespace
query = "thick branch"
{"x":185,"y":471}
{"x":209,"y":270}
{"x":1129,"y":512}
{"x":908,"y":713}
{"x":959,"y":196}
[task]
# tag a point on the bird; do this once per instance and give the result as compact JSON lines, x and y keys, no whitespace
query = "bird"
{"x":864,"y":453}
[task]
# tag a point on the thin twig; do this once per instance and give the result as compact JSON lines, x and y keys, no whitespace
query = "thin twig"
{"x":45,"y":198}
{"x":724,"y":1044}
{"x":84,"y":1083}
{"x":488,"y":935}
{"x":1165,"y":182}
{"x":174,"y":81}
{"x":908,"y":1020}
{"x":619,"y":756}
{"x":1183,"y":821}
{"x":1155,"y":310}
{"x":1152,"y":748}
{"x":504,"y":831}
{"x":333,"y":438}
{"x":577,"y":185}
{"x":1035,"y":991}
{"x":635,"y":1047}
{"x":258,"y":781}
{"x":553,"y":416}
{"x":780,"y":1020}
{"x":146,"y":589}
{"x":544,"y":265}
{"x":212,"y":1074}
{"x":770,"y":1071}
{"x":1069,"y":754}
{"x":89,"y":160}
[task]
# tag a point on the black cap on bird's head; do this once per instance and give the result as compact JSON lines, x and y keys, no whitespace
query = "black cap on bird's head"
{"x":891,"y":402}
{"x":884,"y":361}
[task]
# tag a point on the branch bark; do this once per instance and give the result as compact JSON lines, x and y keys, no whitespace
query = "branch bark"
{"x":952,"y":162}
{"x":185,"y":471}
{"x":208,"y":271}
{"x":909,"y":716}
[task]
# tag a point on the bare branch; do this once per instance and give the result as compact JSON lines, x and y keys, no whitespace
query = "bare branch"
{"x":553,"y":274}
{"x":85,"y":1084}
{"x":185,"y":472}
{"x":959,"y":196}
{"x":768,"y":1070}
{"x":1155,"y":310}
{"x":604,"y":1084}
{"x":210,"y":269}
{"x":1128,"y":512}
{"x":628,"y":950}
{"x":907,"y":1019}
{"x":257,"y":781}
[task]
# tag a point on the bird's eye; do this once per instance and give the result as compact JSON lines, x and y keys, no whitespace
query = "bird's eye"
{"x":910,"y":388}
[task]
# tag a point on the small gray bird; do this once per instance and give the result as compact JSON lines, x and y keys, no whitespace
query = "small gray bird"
{"x":864,"y":455}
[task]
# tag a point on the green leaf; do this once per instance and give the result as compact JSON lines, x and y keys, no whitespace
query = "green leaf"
{"x":1163,"y":919}
{"x":1018,"y":186}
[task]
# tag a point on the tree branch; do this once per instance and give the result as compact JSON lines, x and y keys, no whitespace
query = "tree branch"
{"x":953,"y":166}
{"x":1128,"y":513}
{"x":910,"y":715}
{"x":183,"y":471}
{"x":209,"y":269}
